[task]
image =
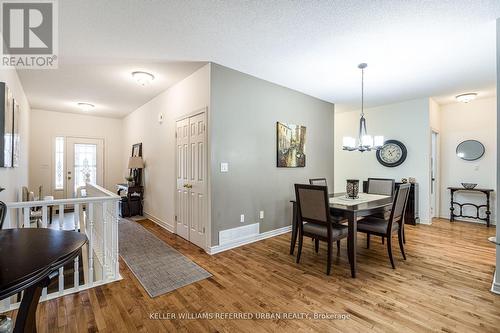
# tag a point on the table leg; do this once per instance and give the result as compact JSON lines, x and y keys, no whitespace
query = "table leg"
{"x":294,"y":228}
{"x":488,"y":212}
{"x":451,"y":206}
{"x":26,"y":316}
{"x":352,"y":241}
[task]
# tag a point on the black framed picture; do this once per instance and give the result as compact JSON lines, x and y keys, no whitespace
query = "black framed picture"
{"x":137,"y":152}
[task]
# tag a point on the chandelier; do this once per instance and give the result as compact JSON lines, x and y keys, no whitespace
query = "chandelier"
{"x":364,"y":142}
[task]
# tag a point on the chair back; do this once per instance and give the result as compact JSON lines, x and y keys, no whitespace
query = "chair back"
{"x":3,"y":213}
{"x":25,"y":193}
{"x":318,"y":181}
{"x":313,"y":205}
{"x":382,"y":186}
{"x":399,"y":205}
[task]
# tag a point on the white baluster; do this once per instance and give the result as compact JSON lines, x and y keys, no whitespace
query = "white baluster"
{"x":26,"y":217}
{"x":61,"y":280}
{"x":77,"y":274}
{"x":76,"y":217}
{"x":115,"y":233}
{"x":61,"y":216}
{"x":104,"y":227}
{"x":90,"y":223}
{"x":44,"y":216}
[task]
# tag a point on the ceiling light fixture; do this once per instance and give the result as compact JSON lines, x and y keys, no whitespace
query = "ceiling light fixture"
{"x":365,"y":142}
{"x":466,"y":98}
{"x":143,"y":78}
{"x":85,"y":106}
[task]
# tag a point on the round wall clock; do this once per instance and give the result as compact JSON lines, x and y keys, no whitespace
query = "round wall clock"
{"x":392,"y":153}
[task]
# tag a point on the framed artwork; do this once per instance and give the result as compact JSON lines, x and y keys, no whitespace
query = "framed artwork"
{"x":291,"y":145}
{"x":6,"y":125}
{"x":16,"y":139}
{"x":137,"y":151}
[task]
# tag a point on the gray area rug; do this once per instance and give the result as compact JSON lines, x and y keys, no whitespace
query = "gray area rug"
{"x":158,"y":267}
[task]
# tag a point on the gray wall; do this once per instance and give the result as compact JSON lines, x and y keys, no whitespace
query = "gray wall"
{"x":244,"y":112}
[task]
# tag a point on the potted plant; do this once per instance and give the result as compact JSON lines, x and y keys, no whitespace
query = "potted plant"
{"x":130,"y":180}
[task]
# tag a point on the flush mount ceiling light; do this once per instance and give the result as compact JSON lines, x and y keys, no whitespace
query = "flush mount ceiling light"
{"x":143,"y":78}
{"x":466,"y":98}
{"x":85,"y":106}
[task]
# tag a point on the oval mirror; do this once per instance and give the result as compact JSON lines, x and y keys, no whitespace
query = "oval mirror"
{"x":470,"y":150}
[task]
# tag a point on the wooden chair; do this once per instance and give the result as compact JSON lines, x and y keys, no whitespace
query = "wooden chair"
{"x":336,"y":218}
{"x":381,"y":186}
{"x":386,"y":227}
{"x":3,"y":213}
{"x":318,"y":181}
{"x":313,"y":211}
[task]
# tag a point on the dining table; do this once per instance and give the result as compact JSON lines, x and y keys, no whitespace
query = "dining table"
{"x":351,"y":210}
{"x":30,"y":259}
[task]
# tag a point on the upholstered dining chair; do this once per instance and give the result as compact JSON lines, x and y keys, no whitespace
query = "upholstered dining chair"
{"x":318,"y":181}
{"x":386,"y":227}
{"x":336,"y":218}
{"x":3,"y":213}
{"x":313,"y":211}
{"x":381,"y":186}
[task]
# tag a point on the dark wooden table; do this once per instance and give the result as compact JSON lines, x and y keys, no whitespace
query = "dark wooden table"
{"x":29,"y":259}
{"x":485,"y":191}
{"x":351,"y":213}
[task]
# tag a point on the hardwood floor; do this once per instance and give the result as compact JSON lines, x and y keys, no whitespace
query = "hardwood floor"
{"x":443,"y":286}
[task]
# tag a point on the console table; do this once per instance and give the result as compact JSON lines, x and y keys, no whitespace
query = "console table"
{"x":131,"y":205}
{"x":486,"y":192}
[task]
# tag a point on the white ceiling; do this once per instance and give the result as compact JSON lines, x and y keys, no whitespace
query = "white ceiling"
{"x":413,"y":48}
{"x":108,"y":86}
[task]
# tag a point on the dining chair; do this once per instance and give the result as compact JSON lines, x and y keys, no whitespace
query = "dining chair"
{"x":381,"y":186}
{"x":318,"y":181}
{"x":386,"y":227}
{"x":3,"y":213}
{"x":35,"y":212}
{"x":336,"y":218}
{"x":313,"y":210}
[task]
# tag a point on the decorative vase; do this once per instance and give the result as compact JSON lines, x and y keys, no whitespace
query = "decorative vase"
{"x":352,"y":188}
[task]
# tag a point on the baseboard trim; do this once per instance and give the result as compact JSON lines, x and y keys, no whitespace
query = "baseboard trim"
{"x":158,"y":221}
{"x":247,"y":240}
{"x":424,"y":221}
{"x":495,"y":287}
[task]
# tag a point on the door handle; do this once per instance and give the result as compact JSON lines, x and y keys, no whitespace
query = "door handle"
{"x":69,"y":178}
{"x":188,"y":186}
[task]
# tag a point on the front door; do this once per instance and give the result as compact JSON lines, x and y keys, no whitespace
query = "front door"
{"x":84,"y":163}
{"x":191,"y":190}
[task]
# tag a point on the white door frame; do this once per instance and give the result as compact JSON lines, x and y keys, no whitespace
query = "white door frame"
{"x":208,"y":227}
{"x":437,"y":176}
{"x":53,"y":167}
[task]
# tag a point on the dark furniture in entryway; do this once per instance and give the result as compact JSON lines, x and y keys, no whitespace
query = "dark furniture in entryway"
{"x":131,"y":203}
